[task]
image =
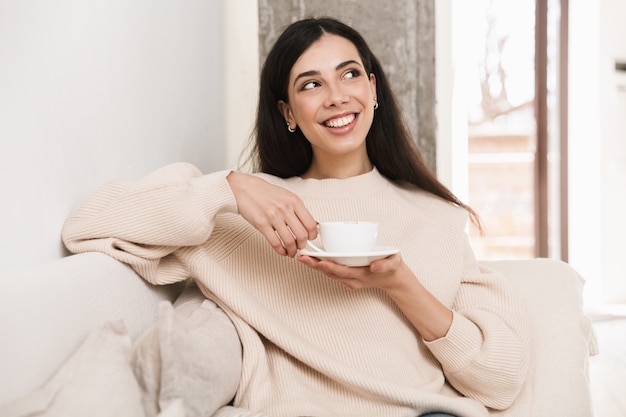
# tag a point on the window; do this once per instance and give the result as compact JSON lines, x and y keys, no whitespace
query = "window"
{"x":514,"y":135}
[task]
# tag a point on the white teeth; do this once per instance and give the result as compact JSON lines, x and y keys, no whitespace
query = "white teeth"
{"x":340,"y":122}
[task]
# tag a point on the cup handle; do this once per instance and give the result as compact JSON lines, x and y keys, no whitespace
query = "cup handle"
{"x":313,"y":246}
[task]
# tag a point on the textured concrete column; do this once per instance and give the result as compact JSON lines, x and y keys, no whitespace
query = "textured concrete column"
{"x":402,"y":35}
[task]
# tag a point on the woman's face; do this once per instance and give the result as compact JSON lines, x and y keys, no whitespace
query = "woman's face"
{"x":331,"y":99}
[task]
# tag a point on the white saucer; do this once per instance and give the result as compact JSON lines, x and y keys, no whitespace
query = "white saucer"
{"x":352,"y":259}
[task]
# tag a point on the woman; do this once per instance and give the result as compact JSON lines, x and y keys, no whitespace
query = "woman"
{"x":422,"y":331}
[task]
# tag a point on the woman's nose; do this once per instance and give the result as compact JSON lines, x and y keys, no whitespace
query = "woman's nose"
{"x":336,"y":96}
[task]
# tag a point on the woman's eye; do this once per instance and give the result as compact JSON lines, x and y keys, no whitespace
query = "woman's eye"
{"x":309,"y":85}
{"x":352,"y":74}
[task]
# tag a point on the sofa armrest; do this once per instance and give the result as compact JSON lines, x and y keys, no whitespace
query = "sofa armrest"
{"x":47,"y":312}
{"x":562,"y":338}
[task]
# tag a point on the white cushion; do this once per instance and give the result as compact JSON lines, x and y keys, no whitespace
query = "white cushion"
{"x":47,"y":311}
{"x":97,"y":381}
{"x":191,"y":355}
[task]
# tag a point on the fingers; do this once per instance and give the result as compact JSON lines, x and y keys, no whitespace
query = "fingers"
{"x":283,"y":240}
{"x":295,"y":226}
{"x":288,"y":240}
{"x":379,"y":274}
{"x":273,"y":239}
{"x":292,"y":233}
{"x":276,"y":212}
{"x":308,"y":223}
{"x":300,"y":230}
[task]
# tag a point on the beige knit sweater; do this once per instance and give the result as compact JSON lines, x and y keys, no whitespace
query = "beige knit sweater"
{"x":312,"y":347}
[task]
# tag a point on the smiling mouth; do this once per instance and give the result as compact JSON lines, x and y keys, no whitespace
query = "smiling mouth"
{"x":340,"y":121}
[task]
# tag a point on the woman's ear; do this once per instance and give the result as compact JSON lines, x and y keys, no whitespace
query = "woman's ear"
{"x":373,"y":83}
{"x":285,"y":110}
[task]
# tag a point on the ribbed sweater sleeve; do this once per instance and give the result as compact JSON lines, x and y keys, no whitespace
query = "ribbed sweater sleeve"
{"x":144,"y":223}
{"x":485,"y":353}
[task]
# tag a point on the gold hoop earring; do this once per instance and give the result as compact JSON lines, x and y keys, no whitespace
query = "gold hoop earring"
{"x":289,"y":128}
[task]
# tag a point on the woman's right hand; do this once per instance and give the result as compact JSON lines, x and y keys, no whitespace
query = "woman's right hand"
{"x":274,"y":211}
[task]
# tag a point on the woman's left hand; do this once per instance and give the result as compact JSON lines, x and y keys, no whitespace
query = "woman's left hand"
{"x":384,"y":273}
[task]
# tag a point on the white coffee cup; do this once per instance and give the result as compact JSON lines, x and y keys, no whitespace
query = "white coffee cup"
{"x":348,"y":237}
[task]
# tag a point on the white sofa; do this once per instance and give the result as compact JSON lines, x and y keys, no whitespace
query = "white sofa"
{"x":48,"y":311}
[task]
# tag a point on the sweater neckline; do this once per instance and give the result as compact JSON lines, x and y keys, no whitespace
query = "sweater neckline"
{"x":367,"y":183}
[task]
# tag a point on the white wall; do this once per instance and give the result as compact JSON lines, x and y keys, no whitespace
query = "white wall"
{"x":240,"y":63}
{"x":613,"y":119}
{"x":94,"y":90}
{"x":451,"y":88}
{"x":597,"y":150}
{"x":585,"y":132}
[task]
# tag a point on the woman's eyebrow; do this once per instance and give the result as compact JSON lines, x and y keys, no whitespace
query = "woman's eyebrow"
{"x":305,"y":74}
{"x":315,"y":72}
{"x":346,"y":63}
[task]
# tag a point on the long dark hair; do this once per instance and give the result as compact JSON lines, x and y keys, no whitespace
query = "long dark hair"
{"x":389,"y":144}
